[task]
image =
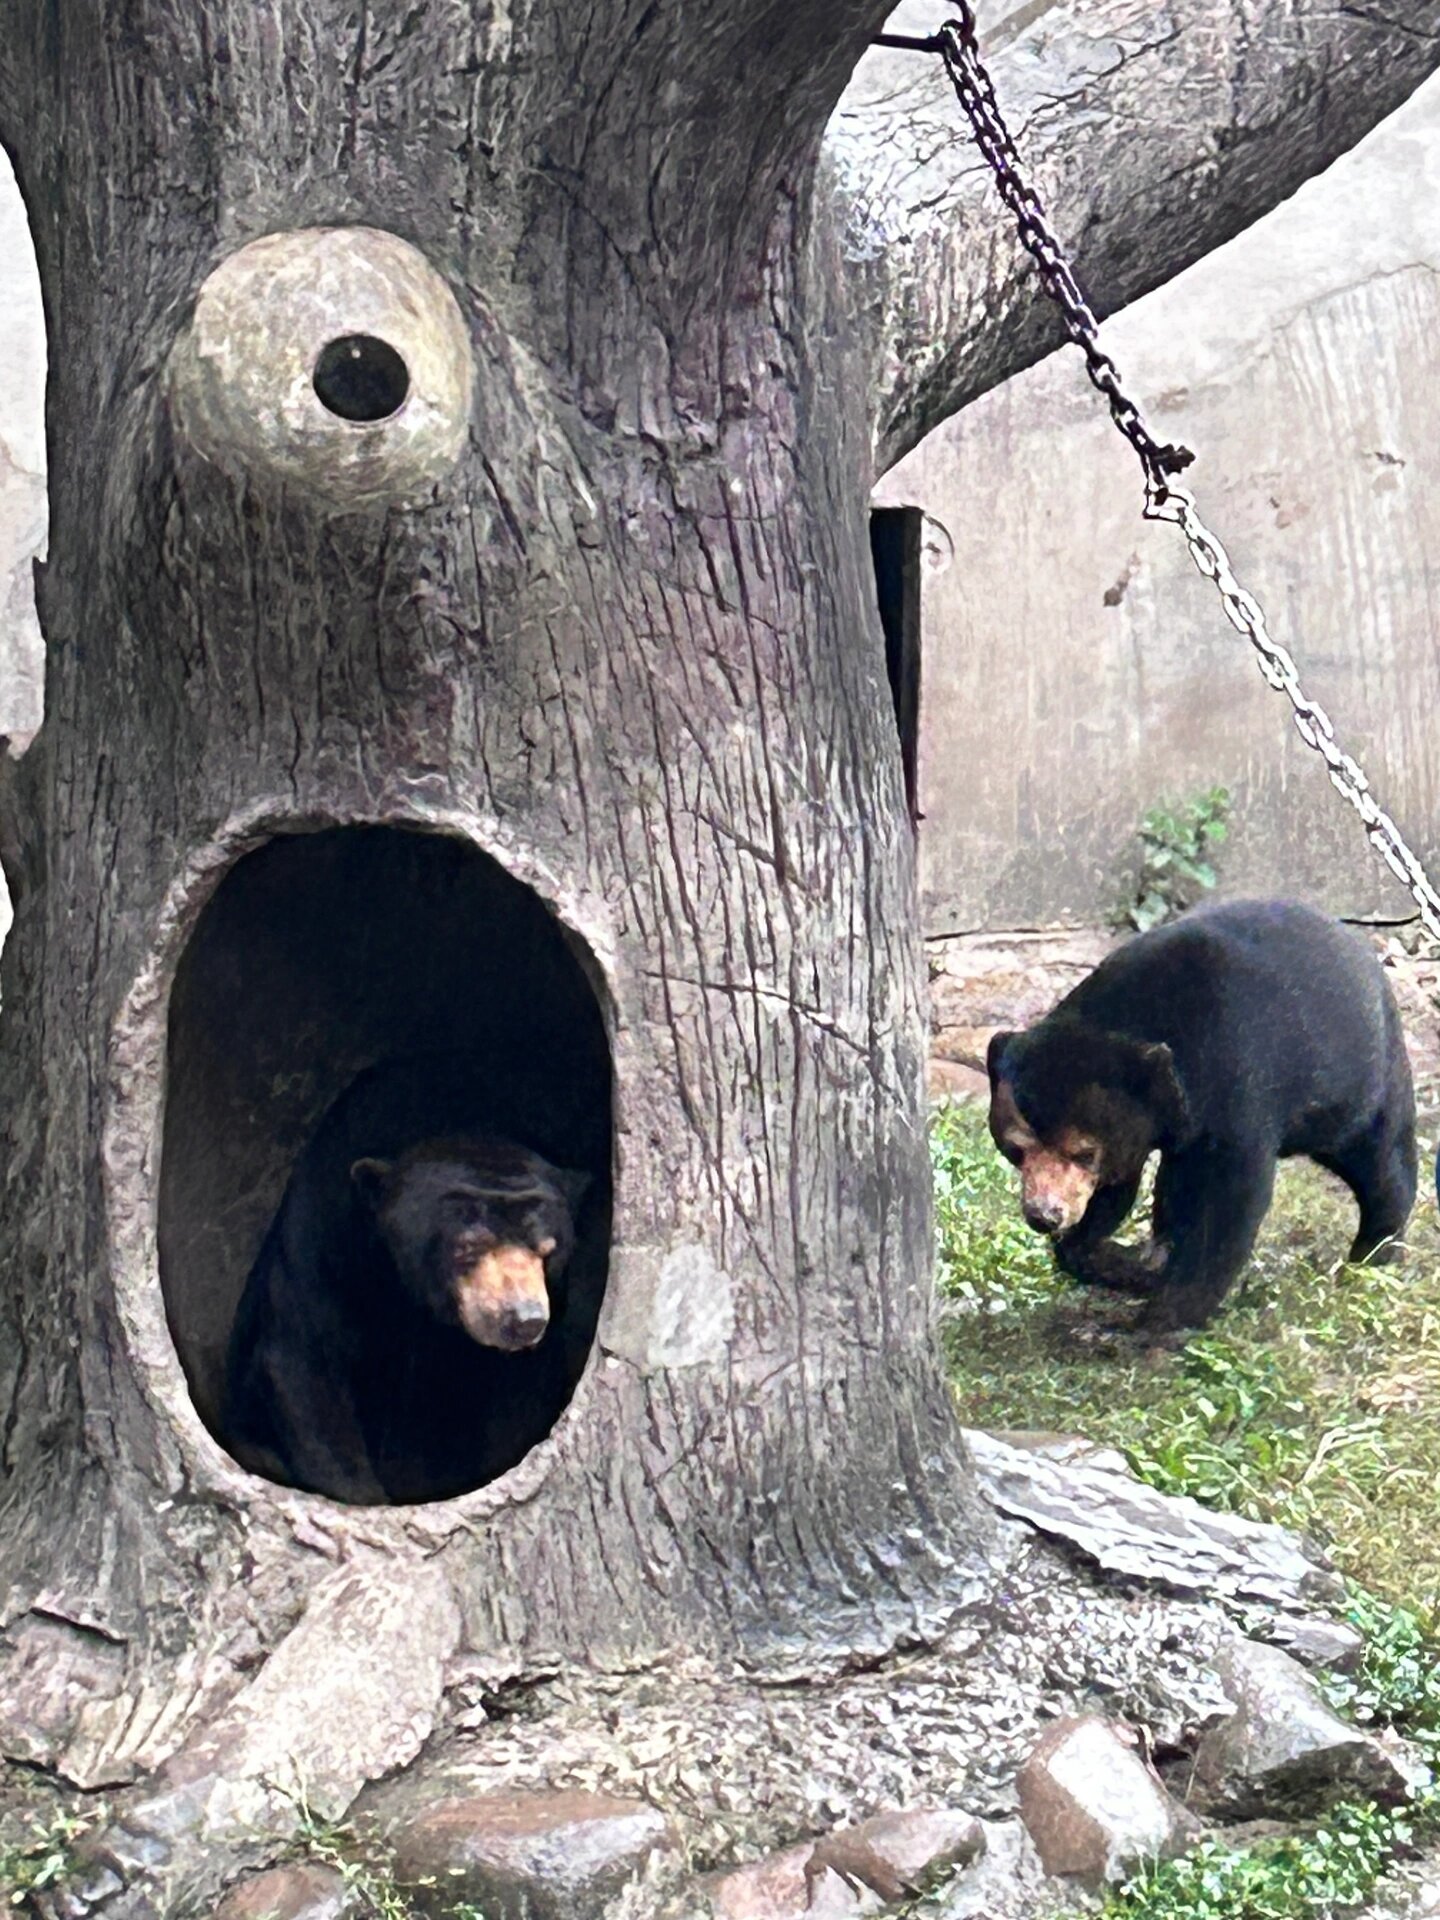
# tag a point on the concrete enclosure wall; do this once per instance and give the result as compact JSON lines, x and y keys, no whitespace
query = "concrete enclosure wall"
{"x":22,"y":464}
{"x":1076,"y":669}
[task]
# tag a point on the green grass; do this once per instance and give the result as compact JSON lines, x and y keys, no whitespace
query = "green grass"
{"x":1319,"y":1874}
{"x":1312,"y":1399}
{"x":37,"y":1847}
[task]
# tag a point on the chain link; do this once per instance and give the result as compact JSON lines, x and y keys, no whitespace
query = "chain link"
{"x":958,"y":46}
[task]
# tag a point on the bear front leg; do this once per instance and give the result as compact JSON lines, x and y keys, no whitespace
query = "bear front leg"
{"x":1089,"y":1256}
{"x":1209,"y":1203}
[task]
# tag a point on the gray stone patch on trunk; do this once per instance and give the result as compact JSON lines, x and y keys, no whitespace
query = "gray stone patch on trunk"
{"x":301,"y":1892}
{"x":1283,"y":1749}
{"x":1094,"y":1806}
{"x":530,"y":1856}
{"x":1128,"y":1528}
{"x":899,"y":1854}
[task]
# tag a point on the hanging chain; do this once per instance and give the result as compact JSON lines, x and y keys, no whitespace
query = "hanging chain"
{"x":958,"y":46}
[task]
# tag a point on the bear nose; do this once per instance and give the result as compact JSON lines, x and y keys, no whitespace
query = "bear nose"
{"x":525,"y":1322}
{"x":1044,"y":1215}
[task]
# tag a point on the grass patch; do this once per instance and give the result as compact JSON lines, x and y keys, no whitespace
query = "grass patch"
{"x":1313,"y":1399}
{"x":1329,"y":1871}
{"x":37,"y":1849}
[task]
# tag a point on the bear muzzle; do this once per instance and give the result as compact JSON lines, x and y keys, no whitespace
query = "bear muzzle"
{"x":503,"y":1301}
{"x":1054,"y":1191}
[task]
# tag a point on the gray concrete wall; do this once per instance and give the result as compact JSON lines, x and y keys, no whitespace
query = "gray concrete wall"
{"x":22,"y":477}
{"x":22,"y":464}
{"x":1077,"y":669}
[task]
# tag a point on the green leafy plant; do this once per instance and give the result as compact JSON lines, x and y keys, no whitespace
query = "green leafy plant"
{"x":1322,"y":1873}
{"x":1397,"y":1682}
{"x":366,"y":1869}
{"x":41,"y":1855}
{"x":1177,"y":841}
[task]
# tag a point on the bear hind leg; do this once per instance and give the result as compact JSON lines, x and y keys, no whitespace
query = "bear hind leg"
{"x":1379,"y":1167}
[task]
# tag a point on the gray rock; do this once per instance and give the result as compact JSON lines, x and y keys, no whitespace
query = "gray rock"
{"x":1094,"y":1806}
{"x":896,"y":1854}
{"x":1319,"y":1643}
{"x":1065,"y":1449}
{"x":1282,"y":1749}
{"x":782,"y":1886}
{"x":1130,"y":1529}
{"x":529,"y":1856}
{"x":301,"y":1892}
{"x":1006,"y":1882}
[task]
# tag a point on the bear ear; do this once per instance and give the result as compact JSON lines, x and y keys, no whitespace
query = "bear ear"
{"x":1164,"y":1094}
{"x":995,"y":1052}
{"x":368,"y":1178}
{"x":573,"y":1186}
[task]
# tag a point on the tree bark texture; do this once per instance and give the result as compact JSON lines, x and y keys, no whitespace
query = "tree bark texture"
{"x":622,"y":644}
{"x":626,"y":646}
{"x":1153,"y":133}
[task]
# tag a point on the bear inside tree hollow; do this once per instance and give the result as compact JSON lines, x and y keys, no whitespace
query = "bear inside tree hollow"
{"x":1226,"y":1040}
{"x":410,"y":1327}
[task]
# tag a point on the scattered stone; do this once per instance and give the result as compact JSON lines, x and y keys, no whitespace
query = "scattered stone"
{"x":897,"y":1854}
{"x":1130,"y":1529}
{"x":1283,"y":1749}
{"x":1006,"y":1882}
{"x":781,"y":1886}
{"x":289,"y":1893}
{"x":1093,"y":1804}
{"x":529,"y":1855}
{"x":1319,"y":1643}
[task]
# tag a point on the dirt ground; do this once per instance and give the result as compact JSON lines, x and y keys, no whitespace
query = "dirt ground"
{"x":982,"y":981}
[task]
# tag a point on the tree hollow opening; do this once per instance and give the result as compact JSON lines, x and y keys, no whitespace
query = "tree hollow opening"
{"x":411,"y":973}
{"x":361,"y":378}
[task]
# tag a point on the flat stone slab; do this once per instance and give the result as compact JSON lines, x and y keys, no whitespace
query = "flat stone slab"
{"x":1130,"y":1529}
{"x":529,"y":1856}
{"x":1094,"y":1806}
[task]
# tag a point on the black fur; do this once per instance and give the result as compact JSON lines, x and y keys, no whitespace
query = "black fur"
{"x":348,"y":1373}
{"x":1229,"y":1039}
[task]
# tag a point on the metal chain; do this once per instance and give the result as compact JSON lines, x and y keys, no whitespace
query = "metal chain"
{"x":958,"y":46}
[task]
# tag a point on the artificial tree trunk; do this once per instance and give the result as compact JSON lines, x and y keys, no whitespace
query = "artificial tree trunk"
{"x":545,"y":714}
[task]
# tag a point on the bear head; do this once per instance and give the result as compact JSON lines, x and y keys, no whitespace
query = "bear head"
{"x":478,"y":1231}
{"x":1077,"y":1108}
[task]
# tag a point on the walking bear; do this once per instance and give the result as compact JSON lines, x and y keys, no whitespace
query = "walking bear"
{"x":397,"y":1338}
{"x":1226,"y":1040}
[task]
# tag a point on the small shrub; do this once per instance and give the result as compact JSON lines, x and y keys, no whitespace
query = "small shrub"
{"x":1176,"y":844}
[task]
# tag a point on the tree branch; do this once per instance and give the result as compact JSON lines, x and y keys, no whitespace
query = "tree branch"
{"x":1153,"y":133}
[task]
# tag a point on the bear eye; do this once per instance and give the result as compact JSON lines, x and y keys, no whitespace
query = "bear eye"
{"x":546,"y":1247}
{"x":465,"y":1207}
{"x":1086,"y":1158}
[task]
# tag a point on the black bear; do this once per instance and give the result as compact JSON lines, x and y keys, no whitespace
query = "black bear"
{"x":403,"y":1332}
{"x":1228,"y":1039}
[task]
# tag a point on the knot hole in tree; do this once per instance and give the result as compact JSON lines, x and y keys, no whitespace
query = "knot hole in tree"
{"x":409,"y":984}
{"x":361,"y":378}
